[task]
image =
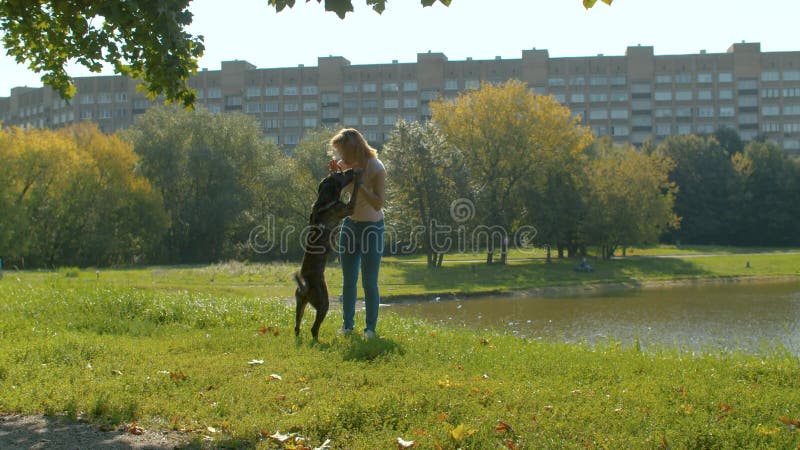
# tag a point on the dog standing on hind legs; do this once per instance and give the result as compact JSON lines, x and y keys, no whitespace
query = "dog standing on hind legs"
{"x":326,"y":214}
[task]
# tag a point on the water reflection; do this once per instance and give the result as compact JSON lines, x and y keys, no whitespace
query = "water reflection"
{"x":751,"y":317}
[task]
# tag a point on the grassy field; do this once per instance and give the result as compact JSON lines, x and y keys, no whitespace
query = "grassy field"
{"x":171,"y":349}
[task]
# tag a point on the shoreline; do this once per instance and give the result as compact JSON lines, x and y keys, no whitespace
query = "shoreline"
{"x":586,"y":289}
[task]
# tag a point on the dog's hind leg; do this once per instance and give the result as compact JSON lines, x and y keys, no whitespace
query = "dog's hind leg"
{"x":321,"y":305}
{"x":302,"y":301}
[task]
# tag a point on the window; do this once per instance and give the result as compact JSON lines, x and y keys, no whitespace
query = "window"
{"x":705,"y":128}
{"x":770,"y":110}
{"x":683,"y":96}
{"x":770,"y":75}
{"x":791,"y":75}
{"x":87,"y":100}
{"x":747,"y":84}
{"x":598,"y":97}
{"x":770,"y":93}
{"x":472,"y":84}
{"x":309,"y":122}
{"x":141,"y":103}
{"x":663,"y":129}
{"x":350,"y":121}
{"x":390,"y":87}
{"x":85,"y":114}
{"x":640,"y":121}
{"x":369,"y":120}
{"x":429,"y":95}
{"x":390,"y":119}
{"x":350,"y":104}
{"x":683,"y":112}
{"x":451,"y":85}
{"x":705,"y":112}
{"x":214,"y":108}
{"x":683,"y":78}
{"x":791,"y":144}
{"x":214,"y":92}
{"x":331,"y":113}
{"x":791,"y":110}
{"x":290,"y":107}
{"x":684,"y":128}
{"x":748,"y":118}
{"x":310,"y":90}
{"x":291,"y":139}
{"x":253,"y":108}
{"x":725,"y":94}
{"x":704,"y":78}
{"x":791,"y":92}
{"x":577,"y":81}
{"x":290,"y":90}
{"x":330,"y":98}
{"x":663,"y":112}
{"x":253,"y":91}
{"x":619,"y":113}
{"x":555,"y":82}
{"x":705,"y":94}
{"x":410,"y":103}
{"x":748,"y":101}
{"x":663,"y":96}
{"x":103,"y":98}
{"x":233,"y":100}
{"x":391,"y":103}
{"x":200,"y":94}
{"x":600,"y":130}
{"x":598,"y":81}
{"x":121,"y":97}
{"x":369,"y":104}
{"x":369,"y":87}
{"x":618,"y":130}
{"x":640,"y":88}
{"x":598,"y":114}
{"x":310,"y":106}
{"x":350,"y":88}
{"x":271,"y":107}
{"x":577,"y":98}
{"x":726,"y":111}
{"x":409,"y":86}
{"x":271,"y":123}
{"x":770,"y":127}
{"x":619,"y":96}
{"x":410,"y":118}
{"x":560,"y":98}
{"x":272,"y":91}
{"x":725,"y":77}
{"x":792,"y":127}
{"x":618,"y":80}
{"x":640,"y":105}
{"x":291,"y":122}
{"x":663,"y":79}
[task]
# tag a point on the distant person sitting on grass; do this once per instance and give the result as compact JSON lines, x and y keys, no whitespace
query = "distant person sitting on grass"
{"x":361,"y":236}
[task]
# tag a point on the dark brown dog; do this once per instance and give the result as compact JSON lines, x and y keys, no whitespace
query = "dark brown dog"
{"x":326,"y":214}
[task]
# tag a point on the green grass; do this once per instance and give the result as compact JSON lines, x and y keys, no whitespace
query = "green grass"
{"x":171,"y":359}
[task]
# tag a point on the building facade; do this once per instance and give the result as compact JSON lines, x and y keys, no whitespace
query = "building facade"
{"x":631,"y":98}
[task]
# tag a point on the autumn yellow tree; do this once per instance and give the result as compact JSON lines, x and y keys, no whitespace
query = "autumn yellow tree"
{"x":511,"y":140}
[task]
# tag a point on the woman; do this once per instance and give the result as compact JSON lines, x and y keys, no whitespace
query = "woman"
{"x":361,"y":238}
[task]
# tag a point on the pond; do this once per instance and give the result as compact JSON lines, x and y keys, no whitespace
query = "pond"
{"x":753,"y":317}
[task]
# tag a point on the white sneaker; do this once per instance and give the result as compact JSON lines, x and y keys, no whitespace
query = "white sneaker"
{"x":369,"y":334}
{"x":344,"y":331}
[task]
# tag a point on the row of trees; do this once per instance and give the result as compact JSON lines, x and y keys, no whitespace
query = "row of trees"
{"x":495,"y":164}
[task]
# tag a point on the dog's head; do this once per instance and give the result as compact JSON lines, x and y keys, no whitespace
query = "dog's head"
{"x":329,"y":209}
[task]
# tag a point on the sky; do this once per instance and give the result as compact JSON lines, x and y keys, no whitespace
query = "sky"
{"x":482,"y":29}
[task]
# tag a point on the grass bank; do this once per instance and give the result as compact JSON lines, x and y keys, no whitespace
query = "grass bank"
{"x":225,"y":369}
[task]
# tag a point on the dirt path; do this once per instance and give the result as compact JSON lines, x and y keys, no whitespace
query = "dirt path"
{"x":42,"y":432}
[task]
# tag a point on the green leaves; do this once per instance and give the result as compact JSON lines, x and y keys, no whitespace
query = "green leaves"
{"x":342,"y":7}
{"x":589,"y":3}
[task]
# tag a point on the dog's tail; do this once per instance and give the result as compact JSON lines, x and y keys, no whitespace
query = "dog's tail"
{"x":302,"y":286}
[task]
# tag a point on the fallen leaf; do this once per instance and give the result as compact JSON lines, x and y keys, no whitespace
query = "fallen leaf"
{"x":302,"y":380}
{"x":503,"y":427}
{"x":724,"y":407}
{"x":461,"y":432}
{"x":437,"y":446}
{"x":212,"y":430}
{"x":134,"y":428}
{"x":618,"y":410}
{"x":789,"y":421}
{"x":325,"y":445}
{"x":511,"y":444}
{"x":275,"y":376}
{"x":402,"y":443}
{"x":442,"y":417}
{"x":280,"y":398}
{"x":548,"y":407}
{"x":177,"y":376}
{"x":116,"y":372}
{"x":253,"y":362}
{"x":281,"y":437}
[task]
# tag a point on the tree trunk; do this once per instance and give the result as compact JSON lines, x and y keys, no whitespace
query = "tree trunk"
{"x":504,"y":250}
{"x":440,"y":259}
{"x":548,"y":253}
{"x":560,"y":251}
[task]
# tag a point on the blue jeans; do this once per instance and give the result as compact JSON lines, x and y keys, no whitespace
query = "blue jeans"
{"x":360,"y":244}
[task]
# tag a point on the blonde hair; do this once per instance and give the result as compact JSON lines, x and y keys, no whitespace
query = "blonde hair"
{"x":351,"y":141}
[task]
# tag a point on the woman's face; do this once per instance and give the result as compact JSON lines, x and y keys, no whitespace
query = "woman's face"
{"x":347,"y":155}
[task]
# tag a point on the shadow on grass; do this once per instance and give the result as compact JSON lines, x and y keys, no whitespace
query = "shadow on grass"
{"x":357,"y":349}
{"x":480,"y":277}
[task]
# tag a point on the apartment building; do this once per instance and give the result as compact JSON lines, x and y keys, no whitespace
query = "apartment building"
{"x":631,"y":98}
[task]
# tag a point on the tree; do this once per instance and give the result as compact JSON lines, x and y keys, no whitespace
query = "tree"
{"x":425,"y":173}
{"x":209,"y":168}
{"x":704,"y":175}
{"x":629,"y":199}
{"x":143,"y":39}
{"x":729,"y":139}
{"x":509,"y":138}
